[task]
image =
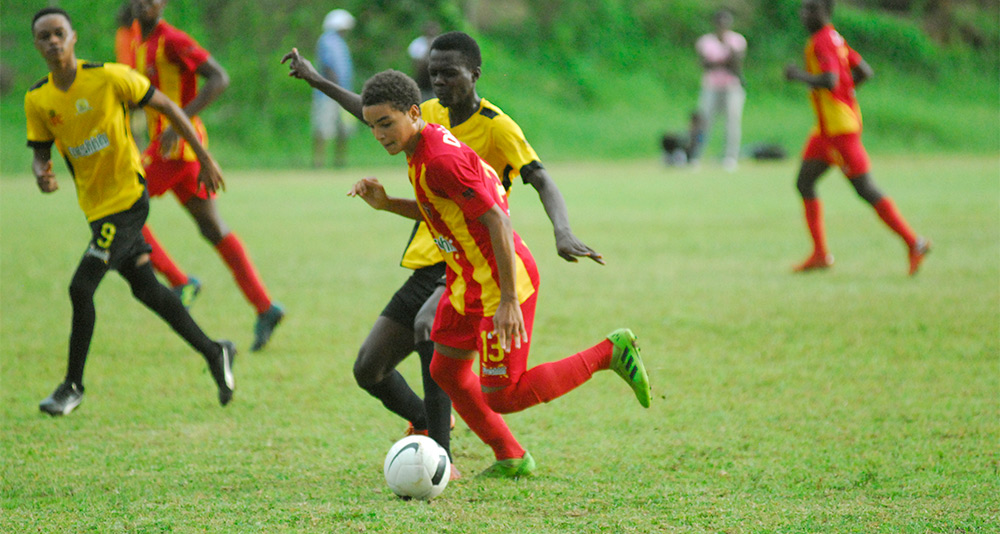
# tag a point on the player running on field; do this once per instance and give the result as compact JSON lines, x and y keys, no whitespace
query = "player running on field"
{"x":833,"y":70}
{"x":455,"y":64}
{"x":173,"y":61}
{"x":492,"y":283}
{"x":78,"y":106}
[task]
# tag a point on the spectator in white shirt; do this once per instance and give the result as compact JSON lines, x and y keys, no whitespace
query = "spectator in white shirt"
{"x":721,"y":54}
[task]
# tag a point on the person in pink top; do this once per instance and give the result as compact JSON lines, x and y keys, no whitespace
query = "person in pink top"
{"x":721,"y":54}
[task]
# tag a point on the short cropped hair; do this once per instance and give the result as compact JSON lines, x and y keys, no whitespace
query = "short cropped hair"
{"x":391,"y":87}
{"x":463,"y":43}
{"x":49,"y":11}
{"x":827,"y":6}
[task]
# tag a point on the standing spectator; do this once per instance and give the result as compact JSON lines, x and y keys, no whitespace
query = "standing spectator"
{"x":833,"y":71}
{"x":334,"y":59}
{"x":420,"y":53}
{"x":721,"y":54}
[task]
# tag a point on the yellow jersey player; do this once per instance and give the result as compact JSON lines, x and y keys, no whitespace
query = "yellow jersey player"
{"x":83,"y":108}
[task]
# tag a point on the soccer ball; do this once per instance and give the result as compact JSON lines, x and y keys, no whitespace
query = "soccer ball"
{"x":417,"y":467}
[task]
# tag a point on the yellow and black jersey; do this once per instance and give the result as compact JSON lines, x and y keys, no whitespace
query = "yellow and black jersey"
{"x":497,"y":139}
{"x":492,"y":134}
{"x":89,"y":124}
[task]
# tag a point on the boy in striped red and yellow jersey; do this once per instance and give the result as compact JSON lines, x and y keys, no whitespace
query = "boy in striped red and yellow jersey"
{"x":173,"y":61}
{"x":833,"y":70}
{"x":83,"y":108}
{"x":492,"y":282}
{"x":404,"y":325}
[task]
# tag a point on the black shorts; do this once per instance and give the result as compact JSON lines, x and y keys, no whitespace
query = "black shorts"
{"x":409,"y":298}
{"x":118,"y":237}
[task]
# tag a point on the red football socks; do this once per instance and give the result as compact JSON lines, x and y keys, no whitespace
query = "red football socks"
{"x":235,"y":255}
{"x":162,"y":261}
{"x":887,"y":211}
{"x":457,"y":380}
{"x":814,"y":220}
{"x":548,"y":381}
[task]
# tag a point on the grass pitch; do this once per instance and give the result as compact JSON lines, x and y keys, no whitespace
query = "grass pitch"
{"x":853,"y":400}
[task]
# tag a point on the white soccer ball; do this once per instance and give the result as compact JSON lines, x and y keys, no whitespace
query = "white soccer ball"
{"x":417,"y":467}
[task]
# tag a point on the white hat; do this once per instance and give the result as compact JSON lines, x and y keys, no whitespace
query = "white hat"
{"x":338,"y":20}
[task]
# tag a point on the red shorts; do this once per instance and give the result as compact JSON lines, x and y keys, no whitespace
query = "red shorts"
{"x":497,"y":369}
{"x":844,"y":151}
{"x":175,"y":175}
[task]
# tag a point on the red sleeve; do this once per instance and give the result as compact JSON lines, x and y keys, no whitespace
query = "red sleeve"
{"x":853,"y":57}
{"x":826,"y":52}
{"x":182,"y":50}
{"x":462,"y":181}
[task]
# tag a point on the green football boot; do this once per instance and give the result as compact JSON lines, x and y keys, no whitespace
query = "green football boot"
{"x":511,"y":468}
{"x":625,"y":361}
{"x":188,"y":292}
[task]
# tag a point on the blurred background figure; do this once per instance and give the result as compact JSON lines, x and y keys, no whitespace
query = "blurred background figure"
{"x":679,"y":147}
{"x":420,"y":50}
{"x":125,"y":35}
{"x":721,"y":54}
{"x":333,"y":58}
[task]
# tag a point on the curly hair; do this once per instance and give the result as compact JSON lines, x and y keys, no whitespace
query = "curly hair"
{"x":392,"y":87}
{"x":463,"y":43}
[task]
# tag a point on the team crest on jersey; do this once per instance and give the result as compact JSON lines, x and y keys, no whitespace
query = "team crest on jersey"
{"x":54,"y":118}
{"x":468,"y":194}
{"x":445,"y":244}
{"x":82,"y":106}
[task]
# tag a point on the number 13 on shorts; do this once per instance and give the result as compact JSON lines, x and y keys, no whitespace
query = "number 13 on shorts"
{"x":492,"y":356}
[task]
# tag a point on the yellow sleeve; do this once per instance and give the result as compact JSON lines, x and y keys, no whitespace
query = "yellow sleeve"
{"x":130,"y":85}
{"x":509,"y":140}
{"x":38,"y":129}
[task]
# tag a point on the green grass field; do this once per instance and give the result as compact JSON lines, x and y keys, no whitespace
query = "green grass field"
{"x":854,"y":400}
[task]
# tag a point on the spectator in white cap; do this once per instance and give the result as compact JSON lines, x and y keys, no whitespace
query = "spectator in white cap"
{"x":333,"y":58}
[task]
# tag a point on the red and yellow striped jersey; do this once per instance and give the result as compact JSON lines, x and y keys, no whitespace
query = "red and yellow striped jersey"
{"x":837,"y":110}
{"x":496,"y":138}
{"x":454,"y":187}
{"x":89,"y":124}
{"x":170,"y":58}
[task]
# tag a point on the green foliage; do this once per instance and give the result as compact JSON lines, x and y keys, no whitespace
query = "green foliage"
{"x":854,"y":400}
{"x":559,"y":69}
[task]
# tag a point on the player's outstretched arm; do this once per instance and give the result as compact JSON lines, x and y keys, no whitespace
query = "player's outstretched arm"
{"x":371,"y":191}
{"x":301,"y":68}
{"x":41,"y":167}
{"x":567,"y":244}
{"x":508,"y":322}
{"x":210,"y":174}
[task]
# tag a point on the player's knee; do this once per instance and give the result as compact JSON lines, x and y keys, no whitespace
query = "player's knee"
{"x":865,"y":188}
{"x":806,"y":186}
{"x":501,"y":401}
{"x":440,"y":371}
{"x":85,"y":281}
{"x":143,"y":283}
{"x":81,"y":290}
{"x":365,"y":373}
